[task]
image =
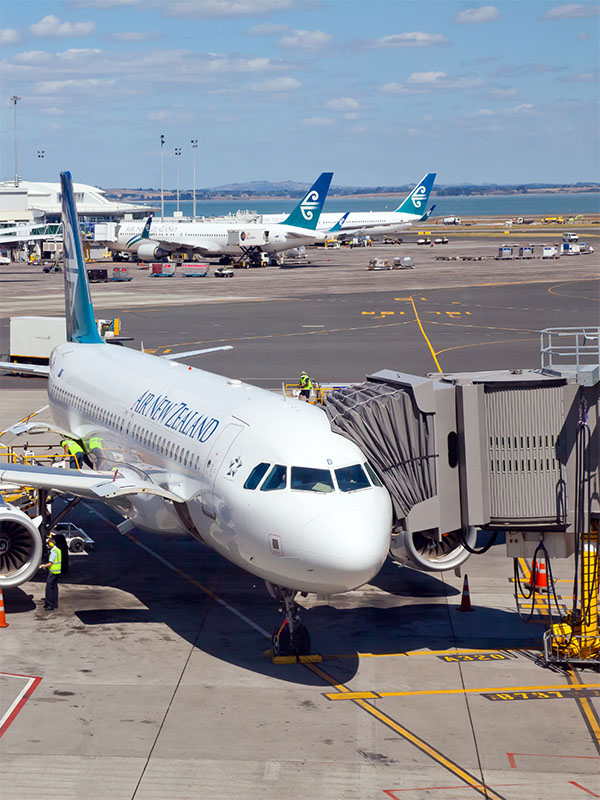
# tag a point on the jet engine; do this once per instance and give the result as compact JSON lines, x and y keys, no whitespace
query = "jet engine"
{"x":428,"y":552}
{"x":151,"y":251}
{"x":20,"y":547}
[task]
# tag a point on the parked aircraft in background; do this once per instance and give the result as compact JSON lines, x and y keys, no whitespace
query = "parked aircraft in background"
{"x":157,"y":240}
{"x":260,"y":478}
{"x":410,"y":211}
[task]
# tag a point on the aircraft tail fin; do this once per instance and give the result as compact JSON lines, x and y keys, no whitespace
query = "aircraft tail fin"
{"x":307,"y":212}
{"x":79,"y":312}
{"x":417,"y":199}
{"x":146,"y":231}
{"x":339,"y":223}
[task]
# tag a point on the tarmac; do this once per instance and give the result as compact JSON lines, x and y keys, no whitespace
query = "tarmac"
{"x":152,"y":680}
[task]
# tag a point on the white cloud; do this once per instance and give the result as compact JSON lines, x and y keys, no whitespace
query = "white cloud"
{"x":306,"y":40}
{"x":317,"y":122}
{"x":475,"y":16}
{"x":57,"y":87}
{"x":412,"y":131}
{"x":268,"y":30}
{"x":134,"y":36}
{"x":591,"y":76}
{"x":168,"y":114}
{"x":10,"y":36}
{"x":426,"y":82}
{"x":503,"y":94}
{"x":572,"y":11}
{"x":194,"y":9}
{"x":277,"y":85}
{"x":583,"y":37}
{"x":415,"y":39}
{"x":343,"y":104}
{"x":523,"y":108}
{"x":482,"y":112}
{"x":53,"y":111}
{"x":53,"y":27}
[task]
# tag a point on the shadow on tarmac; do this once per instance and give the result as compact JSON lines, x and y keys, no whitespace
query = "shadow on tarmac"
{"x":393,"y":619}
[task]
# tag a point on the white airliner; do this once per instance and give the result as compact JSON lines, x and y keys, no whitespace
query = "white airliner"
{"x":410,"y":211}
{"x":260,"y":478}
{"x":228,"y":239}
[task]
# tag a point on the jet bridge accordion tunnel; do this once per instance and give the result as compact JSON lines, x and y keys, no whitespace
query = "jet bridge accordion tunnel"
{"x":493,"y":451}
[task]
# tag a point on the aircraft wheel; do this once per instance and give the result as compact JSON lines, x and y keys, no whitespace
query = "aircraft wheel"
{"x":301,"y":641}
{"x":284,"y":645}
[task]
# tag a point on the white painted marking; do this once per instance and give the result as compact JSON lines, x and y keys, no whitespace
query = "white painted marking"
{"x":19,"y":697}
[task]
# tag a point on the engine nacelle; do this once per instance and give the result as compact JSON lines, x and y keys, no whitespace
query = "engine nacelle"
{"x":427,"y":553}
{"x":20,"y":547}
{"x":151,"y":251}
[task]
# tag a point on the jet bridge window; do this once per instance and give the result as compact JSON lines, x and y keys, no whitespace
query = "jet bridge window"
{"x":276,"y":479}
{"x":256,"y":475}
{"x":352,"y":478}
{"x":309,"y":479}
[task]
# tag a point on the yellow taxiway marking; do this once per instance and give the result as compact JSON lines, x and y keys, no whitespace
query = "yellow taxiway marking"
{"x":589,"y":713}
{"x":552,"y":289}
{"x":431,"y":350}
{"x":491,"y":690}
{"x":451,"y":652}
{"x":409,"y":736}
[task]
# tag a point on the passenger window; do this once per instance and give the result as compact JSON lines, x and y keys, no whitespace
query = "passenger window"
{"x":256,"y":475}
{"x":371,"y":473}
{"x":275,"y":479}
{"x":351,"y":478}
{"x":307,"y":479}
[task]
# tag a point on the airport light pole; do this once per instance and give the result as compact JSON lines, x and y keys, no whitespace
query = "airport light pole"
{"x":177,"y":154}
{"x":195,"y":147}
{"x":41,"y":154}
{"x":15,"y":100}
{"x":162,"y":178}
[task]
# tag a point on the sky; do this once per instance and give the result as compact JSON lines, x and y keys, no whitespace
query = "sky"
{"x":377,"y":91}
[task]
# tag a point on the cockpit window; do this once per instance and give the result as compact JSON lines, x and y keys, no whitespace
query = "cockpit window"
{"x":371,"y":473}
{"x":352,"y":478}
{"x":308,"y":479}
{"x":275,"y":479}
{"x":256,"y":475}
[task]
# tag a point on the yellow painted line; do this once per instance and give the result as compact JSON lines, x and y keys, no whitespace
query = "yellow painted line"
{"x":437,"y":363}
{"x":452,"y":652}
{"x":409,"y":736}
{"x":483,"y":344}
{"x":525,"y":569}
{"x":586,"y":707}
{"x":314,"y":659}
{"x":353,"y":696}
{"x":493,"y":690}
{"x":386,"y":313}
{"x":367,"y":312}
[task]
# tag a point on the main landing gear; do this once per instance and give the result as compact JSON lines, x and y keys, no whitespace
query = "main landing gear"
{"x":291,"y":638}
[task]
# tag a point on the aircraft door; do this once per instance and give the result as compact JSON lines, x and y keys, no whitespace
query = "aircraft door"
{"x":214,"y":463}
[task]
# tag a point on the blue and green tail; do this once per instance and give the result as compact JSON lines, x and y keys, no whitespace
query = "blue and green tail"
{"x":79,"y":312}
{"x":307,"y":212}
{"x":416,"y":202}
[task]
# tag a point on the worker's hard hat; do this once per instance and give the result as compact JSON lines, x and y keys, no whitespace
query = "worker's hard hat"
{"x":303,"y":373}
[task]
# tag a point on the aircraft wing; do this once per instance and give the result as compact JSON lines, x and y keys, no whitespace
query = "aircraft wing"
{"x":101,"y":485}
{"x":42,"y":370}
{"x":190,"y":353}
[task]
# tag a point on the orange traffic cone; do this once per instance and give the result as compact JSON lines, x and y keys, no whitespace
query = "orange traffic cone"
{"x":3,"y":622}
{"x":465,"y":600}
{"x":538,"y":578}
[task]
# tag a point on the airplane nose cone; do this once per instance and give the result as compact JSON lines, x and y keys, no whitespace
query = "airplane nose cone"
{"x":347,"y":547}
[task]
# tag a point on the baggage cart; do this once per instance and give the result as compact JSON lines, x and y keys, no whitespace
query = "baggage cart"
{"x":120,"y":274}
{"x":163,"y":269}
{"x":195,"y":270}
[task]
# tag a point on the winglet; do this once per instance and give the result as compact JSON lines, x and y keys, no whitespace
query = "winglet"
{"x":417,"y":199}
{"x":339,"y":223}
{"x":79,"y":312}
{"x":307,"y":212}
{"x":427,"y":214}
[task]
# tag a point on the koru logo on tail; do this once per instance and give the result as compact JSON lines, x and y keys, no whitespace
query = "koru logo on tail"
{"x":309,"y":204}
{"x":419,"y":196}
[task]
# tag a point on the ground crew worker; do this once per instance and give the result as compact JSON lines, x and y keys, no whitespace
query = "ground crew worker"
{"x":54,"y":567}
{"x":305,"y":385}
{"x":94,"y":448}
{"x":75,"y":451}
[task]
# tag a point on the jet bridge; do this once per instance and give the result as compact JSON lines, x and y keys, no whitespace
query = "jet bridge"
{"x":515,"y":451}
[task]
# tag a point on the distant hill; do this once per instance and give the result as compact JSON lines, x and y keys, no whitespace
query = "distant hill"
{"x":295,"y":189}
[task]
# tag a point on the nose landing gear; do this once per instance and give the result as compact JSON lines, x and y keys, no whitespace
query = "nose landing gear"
{"x":291,"y":638}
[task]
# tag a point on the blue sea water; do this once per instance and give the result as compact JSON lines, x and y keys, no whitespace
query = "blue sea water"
{"x":519,"y":205}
